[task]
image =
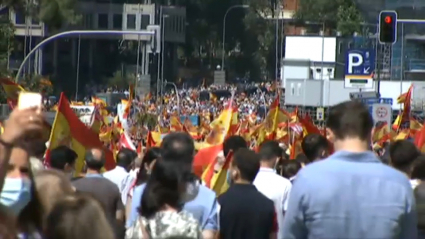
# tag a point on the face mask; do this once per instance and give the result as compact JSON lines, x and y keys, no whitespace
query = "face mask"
{"x":16,"y":194}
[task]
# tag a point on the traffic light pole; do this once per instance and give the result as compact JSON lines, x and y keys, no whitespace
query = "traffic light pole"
{"x":388,"y":21}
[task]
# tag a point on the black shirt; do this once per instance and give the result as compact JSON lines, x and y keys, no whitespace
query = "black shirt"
{"x":245,"y":213}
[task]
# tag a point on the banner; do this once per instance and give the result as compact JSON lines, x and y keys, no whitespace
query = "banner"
{"x":193,"y":118}
{"x":84,"y":113}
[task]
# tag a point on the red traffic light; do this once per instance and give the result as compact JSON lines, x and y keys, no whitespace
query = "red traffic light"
{"x":388,"y":19}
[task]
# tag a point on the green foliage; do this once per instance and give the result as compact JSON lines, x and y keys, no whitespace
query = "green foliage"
{"x":340,"y":15}
{"x":7,"y":33}
{"x":146,"y":119}
{"x":54,"y":13}
{"x":120,"y":80}
{"x":260,"y":44}
{"x":37,"y":84}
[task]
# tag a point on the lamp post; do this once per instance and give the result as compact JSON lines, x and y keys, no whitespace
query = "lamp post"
{"x":177,"y":94}
{"x":224,"y":30}
{"x":164,"y":16}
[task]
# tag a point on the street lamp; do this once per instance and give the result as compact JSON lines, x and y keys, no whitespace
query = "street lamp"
{"x":164,"y":16}
{"x":177,"y":94}
{"x":224,"y":30}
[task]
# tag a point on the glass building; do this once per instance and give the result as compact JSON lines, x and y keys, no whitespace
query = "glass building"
{"x":406,"y":58}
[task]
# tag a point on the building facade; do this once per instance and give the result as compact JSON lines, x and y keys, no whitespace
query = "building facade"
{"x":97,"y":56}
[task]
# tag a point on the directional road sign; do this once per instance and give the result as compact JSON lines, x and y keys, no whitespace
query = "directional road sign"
{"x":372,"y":101}
{"x":359,"y":68}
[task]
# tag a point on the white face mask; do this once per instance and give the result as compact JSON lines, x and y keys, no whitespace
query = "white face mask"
{"x":16,"y":194}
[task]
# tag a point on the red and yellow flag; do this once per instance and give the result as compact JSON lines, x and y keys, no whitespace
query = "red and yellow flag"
{"x":219,"y":182}
{"x":68,"y":130}
{"x":405,"y":99}
{"x":220,"y":126}
{"x":12,"y":91}
{"x":129,"y":102}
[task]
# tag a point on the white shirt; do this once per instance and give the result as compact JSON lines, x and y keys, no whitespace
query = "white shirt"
{"x":276,"y":188}
{"x":120,"y":177}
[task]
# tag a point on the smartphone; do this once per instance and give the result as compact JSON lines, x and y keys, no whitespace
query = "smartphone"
{"x":29,"y":100}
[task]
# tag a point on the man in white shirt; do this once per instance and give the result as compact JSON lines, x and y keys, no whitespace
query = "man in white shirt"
{"x":121,"y":175}
{"x":268,"y":182}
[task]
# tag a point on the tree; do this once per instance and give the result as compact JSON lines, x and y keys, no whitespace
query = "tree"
{"x":37,"y":84}
{"x":146,"y":119}
{"x":259,"y":43}
{"x":120,"y":81}
{"x":340,"y":15}
{"x":54,"y":13}
{"x":7,"y":33}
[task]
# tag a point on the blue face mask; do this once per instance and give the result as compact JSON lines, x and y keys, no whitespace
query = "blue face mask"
{"x":16,"y":194}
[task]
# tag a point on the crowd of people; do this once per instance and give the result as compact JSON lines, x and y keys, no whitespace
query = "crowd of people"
{"x":336,"y":188}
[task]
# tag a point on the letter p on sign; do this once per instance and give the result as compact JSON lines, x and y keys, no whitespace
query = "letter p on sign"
{"x":354,"y":60}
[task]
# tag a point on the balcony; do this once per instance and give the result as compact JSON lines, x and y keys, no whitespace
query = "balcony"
{"x":26,"y":26}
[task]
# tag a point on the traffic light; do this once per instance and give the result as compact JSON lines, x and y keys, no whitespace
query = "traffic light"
{"x":388,"y":27}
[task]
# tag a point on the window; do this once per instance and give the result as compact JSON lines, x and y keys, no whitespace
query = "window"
{"x":19,"y":18}
{"x":88,"y":21}
{"x":180,"y":25}
{"x":102,"y":21}
{"x":35,"y":21}
{"x":144,"y":21}
{"x":117,"y":21}
{"x":131,"y":21}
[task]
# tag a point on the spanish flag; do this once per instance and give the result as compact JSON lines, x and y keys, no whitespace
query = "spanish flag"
{"x":68,"y":130}
{"x":12,"y":91}
{"x":98,"y":101}
{"x":405,"y":100}
{"x":129,"y":102}
{"x":213,"y":97}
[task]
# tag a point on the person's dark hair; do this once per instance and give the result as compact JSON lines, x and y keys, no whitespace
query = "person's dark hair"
{"x":419,"y":193}
{"x":164,"y":187}
{"x":248,"y":163}
{"x":233,"y":143}
{"x":7,"y":224}
{"x":126,"y":157}
{"x":290,"y":168}
{"x":93,"y":161}
{"x":314,"y":145}
{"x":301,"y":158}
{"x":270,"y":150}
{"x":350,"y":119}
{"x":178,"y":146}
{"x":61,"y":156}
{"x":418,"y":168}
{"x":402,"y":154}
{"x":78,"y":216}
{"x":30,"y":219}
{"x":37,"y":148}
{"x":150,"y":155}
